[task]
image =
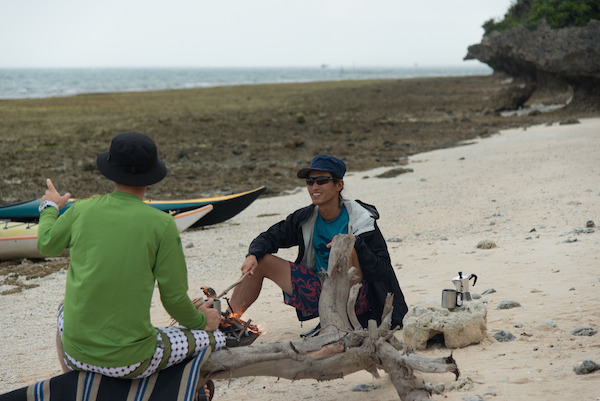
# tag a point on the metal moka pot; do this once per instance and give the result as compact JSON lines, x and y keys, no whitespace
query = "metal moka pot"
{"x":462,"y":284}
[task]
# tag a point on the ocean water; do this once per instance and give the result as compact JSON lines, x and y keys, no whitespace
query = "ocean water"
{"x":56,"y":82}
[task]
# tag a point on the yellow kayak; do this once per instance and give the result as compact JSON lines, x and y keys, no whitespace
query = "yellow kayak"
{"x":19,"y":240}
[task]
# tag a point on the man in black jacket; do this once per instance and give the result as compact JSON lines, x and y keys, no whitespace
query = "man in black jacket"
{"x":313,"y":229}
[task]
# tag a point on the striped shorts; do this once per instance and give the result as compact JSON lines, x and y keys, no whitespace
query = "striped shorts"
{"x":174,"y":345}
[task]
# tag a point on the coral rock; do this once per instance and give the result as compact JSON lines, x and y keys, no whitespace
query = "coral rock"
{"x":460,"y":327}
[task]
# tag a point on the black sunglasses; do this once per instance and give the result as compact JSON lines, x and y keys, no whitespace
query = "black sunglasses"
{"x":321,"y":180}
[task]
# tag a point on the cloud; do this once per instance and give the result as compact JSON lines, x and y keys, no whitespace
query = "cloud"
{"x":188,"y":33}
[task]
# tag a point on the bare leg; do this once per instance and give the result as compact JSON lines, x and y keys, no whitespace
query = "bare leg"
{"x":59,"y":350}
{"x":271,"y":267}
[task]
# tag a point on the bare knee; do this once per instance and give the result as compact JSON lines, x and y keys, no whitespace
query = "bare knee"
{"x":277,"y":270}
{"x":267,"y":265}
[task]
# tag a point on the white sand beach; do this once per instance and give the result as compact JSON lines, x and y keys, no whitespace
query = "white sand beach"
{"x":527,"y":190}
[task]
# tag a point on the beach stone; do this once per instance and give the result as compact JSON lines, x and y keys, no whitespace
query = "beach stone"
{"x":584,"y":331}
{"x":505,"y":304}
{"x":394,"y":172}
{"x":365,"y":387}
{"x":488,"y":291}
{"x":462,"y":384}
{"x":585,"y":367}
{"x":504,"y":336}
{"x":581,"y":230}
{"x":486,"y":244}
{"x":547,"y":325}
{"x":461,"y":327}
{"x":590,"y":224}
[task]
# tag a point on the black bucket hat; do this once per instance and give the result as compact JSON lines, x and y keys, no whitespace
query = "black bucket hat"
{"x":132,"y":160}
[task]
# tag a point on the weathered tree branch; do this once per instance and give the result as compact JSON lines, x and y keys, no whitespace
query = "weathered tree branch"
{"x":352,"y":296}
{"x":342,"y":347}
{"x":226,"y":290}
{"x":336,"y":284}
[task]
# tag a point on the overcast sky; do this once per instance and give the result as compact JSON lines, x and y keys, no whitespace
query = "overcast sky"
{"x":235,"y":33}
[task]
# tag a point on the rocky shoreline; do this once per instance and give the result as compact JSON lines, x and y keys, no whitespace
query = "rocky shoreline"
{"x":231,"y":139}
{"x":546,"y":62}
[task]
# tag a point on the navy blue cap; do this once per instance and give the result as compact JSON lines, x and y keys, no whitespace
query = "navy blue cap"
{"x":324,"y":163}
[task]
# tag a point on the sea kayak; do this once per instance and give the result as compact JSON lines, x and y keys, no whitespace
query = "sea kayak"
{"x":19,"y":239}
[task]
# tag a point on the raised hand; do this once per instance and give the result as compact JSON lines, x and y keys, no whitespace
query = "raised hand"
{"x":53,"y":195}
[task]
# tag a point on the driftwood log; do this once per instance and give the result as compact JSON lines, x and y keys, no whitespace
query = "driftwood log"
{"x":341,"y":348}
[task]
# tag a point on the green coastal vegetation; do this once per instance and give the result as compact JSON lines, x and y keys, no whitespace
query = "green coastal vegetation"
{"x":558,"y":14}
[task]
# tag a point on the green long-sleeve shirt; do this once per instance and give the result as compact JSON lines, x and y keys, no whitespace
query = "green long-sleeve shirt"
{"x":119,"y":246}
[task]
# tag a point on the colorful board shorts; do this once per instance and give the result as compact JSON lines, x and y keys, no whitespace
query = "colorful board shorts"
{"x":307,"y":290}
{"x":174,"y":345}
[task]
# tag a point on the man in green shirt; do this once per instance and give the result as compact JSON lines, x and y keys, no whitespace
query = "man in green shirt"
{"x":119,"y":248}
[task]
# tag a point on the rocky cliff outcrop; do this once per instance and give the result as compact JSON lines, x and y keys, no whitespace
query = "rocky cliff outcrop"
{"x":550,"y":63}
